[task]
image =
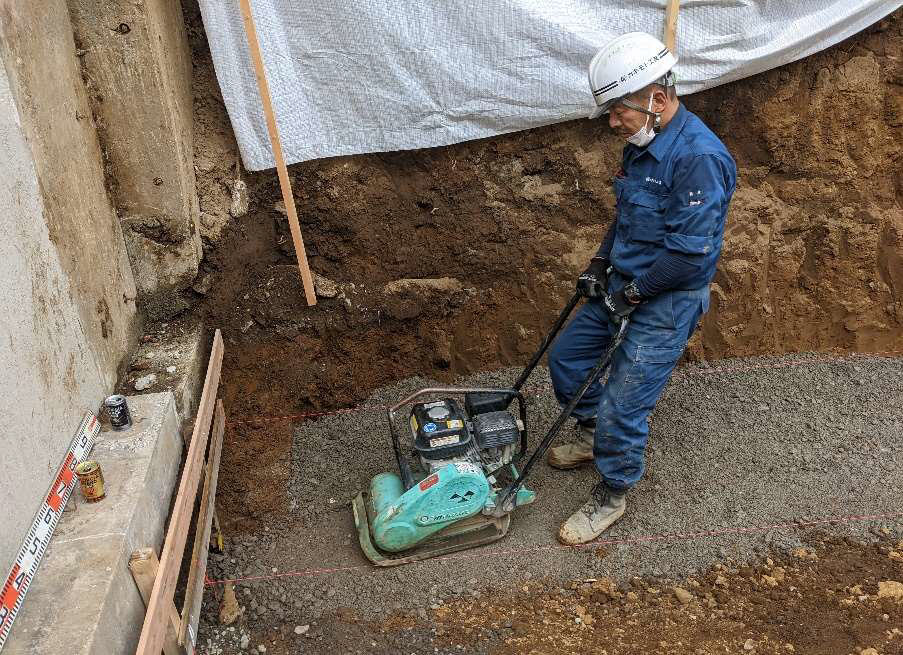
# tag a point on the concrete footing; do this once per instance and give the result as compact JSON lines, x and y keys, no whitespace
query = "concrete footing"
{"x":83,"y":600}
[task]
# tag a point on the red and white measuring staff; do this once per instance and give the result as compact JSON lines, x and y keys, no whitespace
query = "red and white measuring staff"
{"x":32,"y":551}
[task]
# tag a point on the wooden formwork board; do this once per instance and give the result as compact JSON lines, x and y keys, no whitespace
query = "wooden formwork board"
{"x":194,"y":592}
{"x":144,"y":566}
{"x":158,"y":615}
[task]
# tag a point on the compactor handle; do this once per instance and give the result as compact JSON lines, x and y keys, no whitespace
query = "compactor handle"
{"x":549,"y":338}
{"x":509,"y":494}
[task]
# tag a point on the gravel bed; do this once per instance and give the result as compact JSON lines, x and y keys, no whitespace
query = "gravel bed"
{"x":734,"y":448}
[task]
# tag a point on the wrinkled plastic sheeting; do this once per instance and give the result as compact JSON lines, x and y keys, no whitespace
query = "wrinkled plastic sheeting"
{"x":372,"y":75}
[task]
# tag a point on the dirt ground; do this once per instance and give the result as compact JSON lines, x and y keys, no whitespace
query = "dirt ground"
{"x":804,"y":603}
{"x":748,"y":459}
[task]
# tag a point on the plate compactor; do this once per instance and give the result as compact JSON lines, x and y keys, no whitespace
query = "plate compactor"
{"x":467,"y":447}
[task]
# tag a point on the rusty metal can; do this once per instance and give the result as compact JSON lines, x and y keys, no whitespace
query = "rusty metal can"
{"x":91,"y":479}
{"x":118,"y":411}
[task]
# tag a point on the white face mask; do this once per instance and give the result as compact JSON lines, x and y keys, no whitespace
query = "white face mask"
{"x":644,"y":135}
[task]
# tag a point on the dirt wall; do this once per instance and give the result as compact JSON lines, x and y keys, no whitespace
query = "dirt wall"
{"x":448,"y":260}
{"x":812,"y":253}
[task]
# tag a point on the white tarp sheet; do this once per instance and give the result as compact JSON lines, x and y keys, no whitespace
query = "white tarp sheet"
{"x":375,"y":75}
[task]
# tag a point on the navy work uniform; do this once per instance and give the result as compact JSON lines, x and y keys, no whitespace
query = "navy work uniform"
{"x":672,"y":195}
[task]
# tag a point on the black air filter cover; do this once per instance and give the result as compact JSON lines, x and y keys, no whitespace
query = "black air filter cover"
{"x":481,"y":402}
{"x":495,"y":429}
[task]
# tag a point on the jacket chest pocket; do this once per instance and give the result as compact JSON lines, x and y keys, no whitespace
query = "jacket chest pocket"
{"x":644,"y":214}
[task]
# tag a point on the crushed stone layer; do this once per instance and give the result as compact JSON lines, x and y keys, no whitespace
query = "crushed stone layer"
{"x":735,"y":447}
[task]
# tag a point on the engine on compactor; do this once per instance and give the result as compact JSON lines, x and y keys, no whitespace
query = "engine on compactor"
{"x":445,"y":433}
{"x":469,"y":477}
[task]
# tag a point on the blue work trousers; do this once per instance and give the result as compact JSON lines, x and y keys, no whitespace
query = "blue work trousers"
{"x":656,"y":337}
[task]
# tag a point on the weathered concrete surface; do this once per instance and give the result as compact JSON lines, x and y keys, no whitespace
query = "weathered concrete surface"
{"x":83,"y":600}
{"x":172,"y":357}
{"x":67,"y":311}
{"x":137,"y":67}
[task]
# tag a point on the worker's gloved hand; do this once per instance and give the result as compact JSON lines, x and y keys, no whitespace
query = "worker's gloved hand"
{"x":593,"y":282}
{"x":622,"y":302}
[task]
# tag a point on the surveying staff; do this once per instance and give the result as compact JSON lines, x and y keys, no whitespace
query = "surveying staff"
{"x":654,"y":265}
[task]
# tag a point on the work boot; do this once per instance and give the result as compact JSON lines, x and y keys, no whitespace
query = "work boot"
{"x":572,"y":455}
{"x":603,"y":508}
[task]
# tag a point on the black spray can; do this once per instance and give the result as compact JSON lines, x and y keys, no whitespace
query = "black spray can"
{"x":118,"y":411}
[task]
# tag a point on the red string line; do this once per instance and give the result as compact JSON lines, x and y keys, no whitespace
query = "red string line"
{"x":532,"y":391}
{"x":686,"y":536}
{"x":673,"y":536}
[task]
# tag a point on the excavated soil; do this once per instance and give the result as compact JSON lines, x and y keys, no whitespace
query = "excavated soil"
{"x":452,"y":260}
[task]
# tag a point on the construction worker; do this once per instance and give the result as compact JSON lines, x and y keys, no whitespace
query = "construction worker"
{"x":654,"y":266}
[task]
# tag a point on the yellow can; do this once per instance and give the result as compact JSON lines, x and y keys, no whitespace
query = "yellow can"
{"x":91,"y":478}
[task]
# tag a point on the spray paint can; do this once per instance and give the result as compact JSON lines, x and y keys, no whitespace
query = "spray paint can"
{"x":118,"y":411}
{"x":91,"y":479}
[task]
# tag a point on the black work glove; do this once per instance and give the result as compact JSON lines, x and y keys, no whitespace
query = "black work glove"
{"x":618,"y":305}
{"x":593,"y":282}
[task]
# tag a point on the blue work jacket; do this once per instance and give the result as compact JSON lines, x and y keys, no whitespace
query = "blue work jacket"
{"x":673,"y":195}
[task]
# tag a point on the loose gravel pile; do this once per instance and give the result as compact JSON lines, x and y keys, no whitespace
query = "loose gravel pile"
{"x":734,"y":448}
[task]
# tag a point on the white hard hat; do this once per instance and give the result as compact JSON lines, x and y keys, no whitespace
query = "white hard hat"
{"x":625,"y":66}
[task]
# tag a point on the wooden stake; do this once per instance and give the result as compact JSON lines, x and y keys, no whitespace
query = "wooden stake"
{"x":154,"y":629}
{"x":144,"y":566}
{"x":194,"y":590}
{"x":671,"y":25}
{"x":273,"y":129}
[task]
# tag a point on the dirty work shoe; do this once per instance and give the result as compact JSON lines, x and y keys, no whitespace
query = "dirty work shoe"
{"x":603,"y":508}
{"x":572,"y":455}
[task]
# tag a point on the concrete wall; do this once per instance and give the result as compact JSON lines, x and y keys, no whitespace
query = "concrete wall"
{"x":137,"y":66}
{"x":67,"y":311}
